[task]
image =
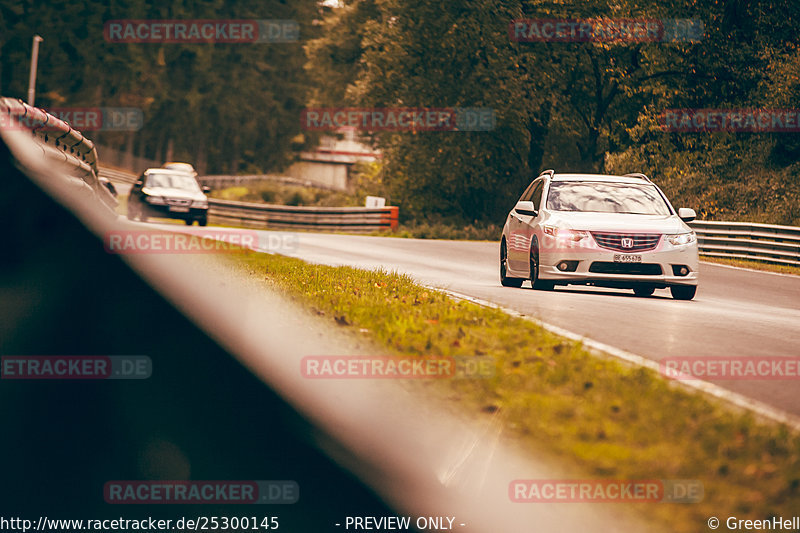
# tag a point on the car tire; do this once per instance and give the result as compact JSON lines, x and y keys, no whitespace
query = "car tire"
{"x":536,"y":283}
{"x":644,"y":291}
{"x":683,"y":292}
{"x":188,"y":221}
{"x":202,"y":221}
{"x":505,"y":281}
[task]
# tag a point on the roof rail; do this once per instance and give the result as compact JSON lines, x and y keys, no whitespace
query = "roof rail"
{"x":637,"y":175}
{"x":548,"y":172}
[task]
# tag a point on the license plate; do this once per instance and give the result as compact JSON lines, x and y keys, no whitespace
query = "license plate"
{"x":179,"y":209}
{"x":627,"y":258}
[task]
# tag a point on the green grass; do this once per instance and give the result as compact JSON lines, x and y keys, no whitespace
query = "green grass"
{"x":122,"y":207}
{"x":608,"y":419}
{"x":449,"y":231}
{"x":280,"y":194}
{"x":755,"y":265}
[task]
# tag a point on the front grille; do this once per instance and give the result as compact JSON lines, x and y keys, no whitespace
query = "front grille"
{"x":178,"y":202}
{"x":640,"y":242}
{"x":635,"y":269}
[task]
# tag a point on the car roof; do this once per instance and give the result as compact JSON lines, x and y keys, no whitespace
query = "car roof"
{"x":599,"y":178}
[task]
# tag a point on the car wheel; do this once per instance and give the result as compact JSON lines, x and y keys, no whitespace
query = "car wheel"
{"x":202,"y":221}
{"x":683,"y":292}
{"x":644,"y":291}
{"x":536,"y":283}
{"x":505,"y":281}
{"x":188,"y":221}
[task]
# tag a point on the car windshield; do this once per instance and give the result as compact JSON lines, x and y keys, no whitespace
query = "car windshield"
{"x":606,"y":197}
{"x":181,"y":181}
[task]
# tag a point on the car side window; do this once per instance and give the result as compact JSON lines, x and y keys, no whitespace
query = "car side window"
{"x":536,"y":196}
{"x":527,"y":192}
{"x":526,"y":196}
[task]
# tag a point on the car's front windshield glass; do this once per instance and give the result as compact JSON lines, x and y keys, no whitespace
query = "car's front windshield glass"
{"x":184,"y":182}
{"x":606,"y":197}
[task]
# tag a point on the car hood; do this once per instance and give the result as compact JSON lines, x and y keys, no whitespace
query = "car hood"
{"x":618,"y":222}
{"x":174,"y":193}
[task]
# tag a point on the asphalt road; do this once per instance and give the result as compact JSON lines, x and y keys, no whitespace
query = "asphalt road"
{"x":736,"y":312}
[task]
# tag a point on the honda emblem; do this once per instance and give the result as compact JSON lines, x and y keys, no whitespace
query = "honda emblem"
{"x":627,"y":242}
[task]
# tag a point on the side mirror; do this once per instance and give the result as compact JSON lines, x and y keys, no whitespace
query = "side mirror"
{"x":686,"y":214}
{"x":206,"y":189}
{"x":526,"y":208}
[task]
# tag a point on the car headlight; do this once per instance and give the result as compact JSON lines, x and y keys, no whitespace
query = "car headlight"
{"x":203,"y":204}
{"x":565,"y":234}
{"x":155,"y":200}
{"x":682,"y":238}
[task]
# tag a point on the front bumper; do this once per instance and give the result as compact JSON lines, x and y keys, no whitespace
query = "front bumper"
{"x":662,"y":260}
{"x":168,"y":211}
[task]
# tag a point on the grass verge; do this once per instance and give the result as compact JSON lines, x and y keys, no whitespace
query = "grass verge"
{"x":441,"y":230}
{"x":271,"y":192}
{"x":615,"y":421}
{"x":755,"y":265}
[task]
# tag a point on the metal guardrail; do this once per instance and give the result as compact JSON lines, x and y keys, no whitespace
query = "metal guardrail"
{"x":59,"y":141}
{"x":747,"y":240}
{"x":116,"y":175}
{"x":220,"y":181}
{"x":358,"y":219}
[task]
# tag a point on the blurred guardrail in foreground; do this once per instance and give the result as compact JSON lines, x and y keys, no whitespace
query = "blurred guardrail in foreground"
{"x":59,"y":143}
{"x":747,"y":240}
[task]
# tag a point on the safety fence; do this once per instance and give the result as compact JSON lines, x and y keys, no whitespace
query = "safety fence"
{"x":747,"y":240}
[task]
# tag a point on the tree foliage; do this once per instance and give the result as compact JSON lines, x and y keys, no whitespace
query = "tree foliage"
{"x":576,"y":106}
{"x":226,"y":107}
{"x":580,"y":106}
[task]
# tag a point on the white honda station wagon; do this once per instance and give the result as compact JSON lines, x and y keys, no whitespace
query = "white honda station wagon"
{"x":606,"y":231}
